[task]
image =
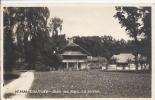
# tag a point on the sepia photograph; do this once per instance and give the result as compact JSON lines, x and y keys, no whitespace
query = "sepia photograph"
{"x":77,"y":51}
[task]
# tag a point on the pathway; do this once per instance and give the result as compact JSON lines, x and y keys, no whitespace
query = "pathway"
{"x":24,"y":82}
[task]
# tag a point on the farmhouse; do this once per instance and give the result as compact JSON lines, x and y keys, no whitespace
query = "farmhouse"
{"x":123,"y":60}
{"x":74,"y":57}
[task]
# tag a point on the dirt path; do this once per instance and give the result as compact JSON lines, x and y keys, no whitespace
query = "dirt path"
{"x":24,"y":82}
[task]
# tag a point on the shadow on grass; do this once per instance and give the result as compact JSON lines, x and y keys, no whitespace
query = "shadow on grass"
{"x":10,"y":77}
{"x":8,"y":95}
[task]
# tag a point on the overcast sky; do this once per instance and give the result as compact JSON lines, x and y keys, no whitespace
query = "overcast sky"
{"x":88,"y":21}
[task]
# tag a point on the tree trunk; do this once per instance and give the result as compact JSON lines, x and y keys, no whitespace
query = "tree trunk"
{"x":136,"y":61}
{"x":136,"y":52}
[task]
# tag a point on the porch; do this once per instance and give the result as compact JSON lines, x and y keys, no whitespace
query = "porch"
{"x":74,"y":64}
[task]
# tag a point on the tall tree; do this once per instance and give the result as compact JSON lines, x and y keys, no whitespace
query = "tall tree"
{"x":9,"y":45}
{"x":130,"y":18}
{"x":55,"y":27}
{"x":29,"y":30}
{"x":146,"y":29}
{"x":35,"y":33}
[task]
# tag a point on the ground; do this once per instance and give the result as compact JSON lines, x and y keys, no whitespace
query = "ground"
{"x":11,"y":76}
{"x":23,"y":82}
{"x":94,"y":83}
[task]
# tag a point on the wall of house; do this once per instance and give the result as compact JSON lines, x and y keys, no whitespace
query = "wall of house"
{"x":83,"y":66}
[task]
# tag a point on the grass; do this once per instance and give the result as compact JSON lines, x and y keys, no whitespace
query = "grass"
{"x":93,"y":83}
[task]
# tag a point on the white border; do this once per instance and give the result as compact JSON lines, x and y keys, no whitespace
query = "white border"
{"x":1,"y":49}
{"x":81,"y":2}
{"x":77,"y":1}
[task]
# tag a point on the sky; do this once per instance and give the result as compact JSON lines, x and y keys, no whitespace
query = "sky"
{"x":90,"y":20}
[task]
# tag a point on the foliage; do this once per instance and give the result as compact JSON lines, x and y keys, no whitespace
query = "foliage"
{"x":113,"y":61}
{"x":27,"y":38}
{"x":26,"y":35}
{"x":146,"y":43}
{"x":55,"y":25}
{"x":9,"y":46}
{"x":137,"y":21}
{"x":105,"y":46}
{"x":27,"y":31}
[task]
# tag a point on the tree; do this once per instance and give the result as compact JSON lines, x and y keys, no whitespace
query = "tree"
{"x":29,"y":28}
{"x":55,"y":25}
{"x":35,"y":33}
{"x":146,"y":29}
{"x":105,"y":46}
{"x":9,"y":45}
{"x":130,"y":17}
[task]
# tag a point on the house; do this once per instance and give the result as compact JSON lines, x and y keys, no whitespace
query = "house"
{"x":73,"y":56}
{"x":124,"y":61}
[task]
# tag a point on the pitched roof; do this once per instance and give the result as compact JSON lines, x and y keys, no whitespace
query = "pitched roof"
{"x":72,"y":44}
{"x":123,"y":57}
{"x":73,"y":49}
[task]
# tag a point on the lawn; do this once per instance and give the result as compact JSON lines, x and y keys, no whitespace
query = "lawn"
{"x":94,"y":83}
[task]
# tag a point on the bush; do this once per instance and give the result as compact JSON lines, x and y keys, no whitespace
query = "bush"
{"x":10,"y":76}
{"x":41,"y":67}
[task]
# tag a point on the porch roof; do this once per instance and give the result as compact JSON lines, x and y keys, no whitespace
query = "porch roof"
{"x":73,"y":60}
{"x":123,"y":57}
{"x":73,"y":53}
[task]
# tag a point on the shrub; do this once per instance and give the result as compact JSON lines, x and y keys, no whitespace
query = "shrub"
{"x":41,"y":67}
